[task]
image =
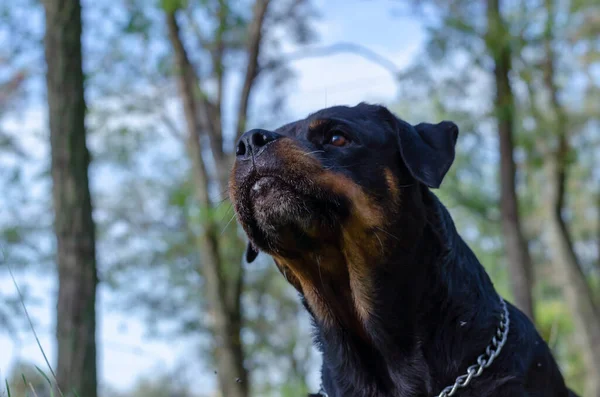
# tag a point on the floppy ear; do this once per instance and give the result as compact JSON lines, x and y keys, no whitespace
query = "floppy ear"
{"x":427,"y":149}
{"x":251,"y":253}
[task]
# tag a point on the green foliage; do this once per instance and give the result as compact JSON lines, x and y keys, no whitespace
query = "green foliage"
{"x":173,"y":5}
{"x":554,"y":323}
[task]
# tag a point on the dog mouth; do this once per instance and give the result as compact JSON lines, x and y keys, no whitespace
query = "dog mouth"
{"x":263,"y":186}
{"x":273,"y":201}
{"x":280,"y":214}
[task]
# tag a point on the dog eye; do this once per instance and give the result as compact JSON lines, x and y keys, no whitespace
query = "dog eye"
{"x":337,"y":140}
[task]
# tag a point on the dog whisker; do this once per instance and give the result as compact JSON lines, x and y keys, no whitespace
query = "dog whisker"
{"x":227,"y":213}
{"x":222,"y":201}
{"x":386,"y":232}
{"x":380,"y":243}
{"x":227,"y":225}
{"x":285,"y":274}
{"x":313,"y":152}
{"x":224,"y":194}
{"x":344,"y":166}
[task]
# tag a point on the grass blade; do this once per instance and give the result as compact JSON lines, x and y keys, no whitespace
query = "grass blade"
{"x":33,"y":390}
{"x":47,"y":380}
{"x":22,"y":300}
{"x":43,"y":375}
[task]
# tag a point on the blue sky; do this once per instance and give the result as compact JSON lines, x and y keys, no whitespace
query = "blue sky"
{"x":124,"y":351}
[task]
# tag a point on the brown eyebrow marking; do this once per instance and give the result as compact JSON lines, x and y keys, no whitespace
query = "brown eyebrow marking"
{"x":316,"y":123}
{"x":392,"y":185}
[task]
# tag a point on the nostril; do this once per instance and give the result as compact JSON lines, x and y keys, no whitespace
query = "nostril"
{"x":253,"y":141}
{"x":241,"y":149}
{"x":259,"y":139}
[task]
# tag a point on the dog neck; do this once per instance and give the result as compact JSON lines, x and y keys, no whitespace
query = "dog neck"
{"x":432,"y":298}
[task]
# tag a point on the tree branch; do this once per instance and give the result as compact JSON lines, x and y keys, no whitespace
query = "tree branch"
{"x":341,"y":48}
{"x":203,"y":110}
{"x":187,"y":81}
{"x":252,"y":67}
{"x":598,"y":230}
{"x":8,"y":88}
{"x":219,"y":51}
{"x":227,"y":323}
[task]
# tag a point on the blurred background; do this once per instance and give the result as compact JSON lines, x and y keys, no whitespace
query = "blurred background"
{"x":117,"y":124}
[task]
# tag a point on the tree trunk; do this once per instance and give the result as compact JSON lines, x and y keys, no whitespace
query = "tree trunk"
{"x":577,"y":291}
{"x":574,"y":285}
{"x":598,"y":232}
{"x":519,"y":259}
{"x":225,"y":308}
{"x":73,"y":224}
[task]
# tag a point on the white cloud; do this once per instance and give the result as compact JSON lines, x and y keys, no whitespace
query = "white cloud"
{"x":343,"y":79}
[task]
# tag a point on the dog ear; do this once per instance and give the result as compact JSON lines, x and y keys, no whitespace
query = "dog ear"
{"x":251,"y":253}
{"x":428,"y":150}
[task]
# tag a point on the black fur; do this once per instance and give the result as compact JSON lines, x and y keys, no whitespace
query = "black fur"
{"x":435,"y":308}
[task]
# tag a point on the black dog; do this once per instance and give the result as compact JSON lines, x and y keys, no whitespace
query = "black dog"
{"x":400,"y":304}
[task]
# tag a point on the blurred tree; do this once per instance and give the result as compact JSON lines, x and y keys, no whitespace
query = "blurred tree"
{"x":498,"y":42}
{"x":224,"y":285}
{"x":73,"y":223}
{"x":220,"y":246}
{"x":555,"y":134}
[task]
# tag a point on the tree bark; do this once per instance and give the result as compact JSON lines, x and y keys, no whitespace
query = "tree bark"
{"x":74,"y":226}
{"x":519,"y":259}
{"x":225,"y":308}
{"x":572,"y":280}
{"x":577,"y":291}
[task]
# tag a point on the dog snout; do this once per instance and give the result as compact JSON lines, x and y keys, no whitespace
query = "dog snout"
{"x":253,"y":142}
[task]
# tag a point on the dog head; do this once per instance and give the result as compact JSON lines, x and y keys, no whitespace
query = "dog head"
{"x":329,"y":195}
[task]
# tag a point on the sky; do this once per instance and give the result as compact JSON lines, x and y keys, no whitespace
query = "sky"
{"x":125,"y":353}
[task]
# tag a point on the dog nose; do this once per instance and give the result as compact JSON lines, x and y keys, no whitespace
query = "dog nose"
{"x":251,"y":142}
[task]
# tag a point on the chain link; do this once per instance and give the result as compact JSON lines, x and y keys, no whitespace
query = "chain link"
{"x":483,"y":361}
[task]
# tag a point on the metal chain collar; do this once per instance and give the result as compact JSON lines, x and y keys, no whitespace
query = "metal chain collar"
{"x":483,"y":361}
{"x":486,"y":359}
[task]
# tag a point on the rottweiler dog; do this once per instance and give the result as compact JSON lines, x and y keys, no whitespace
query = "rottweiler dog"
{"x":400,"y":304}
